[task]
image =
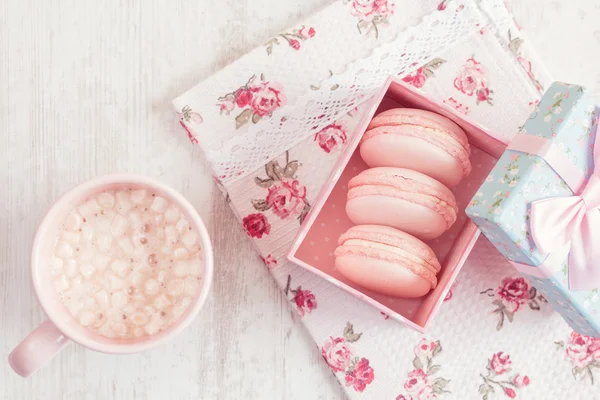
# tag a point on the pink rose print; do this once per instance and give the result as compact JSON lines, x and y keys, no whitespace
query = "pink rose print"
{"x":442,"y":5}
{"x":583,"y":352}
{"x":371,"y":14}
{"x":286,"y":197}
{"x":339,"y":356}
{"x":520,"y":381}
{"x":455,"y":104}
{"x":331,"y":138}
{"x":304,"y":300}
{"x":512,"y":294}
{"x":416,"y":381}
{"x":293,"y":38}
{"x":256,"y":101}
{"x":514,"y":44}
{"x":256,"y":225}
{"x":360,"y":376}
{"x":420,"y":383}
{"x":385,"y":316}
{"x":242,"y":97}
{"x":187,"y":116}
{"x":266,"y":98}
{"x":449,"y":294}
{"x":499,"y":365}
{"x":269,"y":261}
{"x":189,"y":133}
{"x":419,"y":78}
{"x":471,"y":80}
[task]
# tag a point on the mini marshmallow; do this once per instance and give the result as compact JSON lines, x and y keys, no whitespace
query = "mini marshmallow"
{"x":159,"y":220}
{"x":87,"y":233}
{"x":87,"y":270}
{"x":89,"y":303}
{"x":138,"y":196}
{"x":126,"y":245}
{"x":74,"y":307}
{"x":175,"y":287}
{"x":120,"y":267}
{"x":181,"y":253}
{"x":171,"y":233}
{"x":172,"y":215}
{"x":57,"y":265}
{"x":159,"y":204}
{"x":151,"y":287}
{"x":104,"y":242}
{"x":196,"y":267}
{"x":161,"y":301}
{"x":138,"y":332}
{"x":118,"y":226}
{"x":103,"y":223}
{"x":64,"y":250}
{"x":120,"y":329}
{"x":71,"y":237}
{"x":72,"y":222}
{"x":161,"y":276}
{"x":62,"y":283}
{"x":189,"y":239}
{"x":191,"y":285}
{"x":71,"y":268}
{"x":135,"y":279}
{"x":135,"y":219}
{"x":183,"y":225}
{"x":86,"y":318}
{"x":89,"y":208}
{"x":101,"y":261}
{"x":124,"y":203}
{"x":180,"y":269}
{"x":151,"y":328}
{"x":102,"y":298}
{"x":139,"y":319}
{"x":106,"y":200}
{"x":119,"y":300}
{"x":116,"y":283}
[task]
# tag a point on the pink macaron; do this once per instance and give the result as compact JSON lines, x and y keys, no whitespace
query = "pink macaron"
{"x":387,"y":261}
{"x":419,"y":140}
{"x":401,"y":198}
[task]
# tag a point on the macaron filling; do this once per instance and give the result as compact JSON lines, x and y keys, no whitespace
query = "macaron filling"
{"x":407,"y":189}
{"x":369,"y":251}
{"x":443,"y":140}
{"x":391,"y":237}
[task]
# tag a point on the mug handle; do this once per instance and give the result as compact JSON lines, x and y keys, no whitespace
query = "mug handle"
{"x":37,"y":349}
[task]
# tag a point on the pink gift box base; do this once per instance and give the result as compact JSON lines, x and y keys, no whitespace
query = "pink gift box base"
{"x":314,"y":246}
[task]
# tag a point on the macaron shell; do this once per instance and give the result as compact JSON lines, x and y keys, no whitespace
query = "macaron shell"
{"x":417,"y":139}
{"x":413,"y":116}
{"x":412,"y":218}
{"x":388,"y":236}
{"x":411,"y":152}
{"x":382,"y":276}
{"x":403,"y":199}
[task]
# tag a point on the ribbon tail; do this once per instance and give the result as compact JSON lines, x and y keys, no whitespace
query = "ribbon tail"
{"x":554,"y":221}
{"x":584,"y":257}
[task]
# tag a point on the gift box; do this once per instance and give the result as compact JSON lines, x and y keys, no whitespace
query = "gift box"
{"x":314,"y":246}
{"x":538,"y":205}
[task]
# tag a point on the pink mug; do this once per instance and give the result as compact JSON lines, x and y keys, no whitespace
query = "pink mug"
{"x":60,"y":328}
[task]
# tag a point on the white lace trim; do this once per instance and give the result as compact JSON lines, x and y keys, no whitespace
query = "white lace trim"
{"x":343,"y":92}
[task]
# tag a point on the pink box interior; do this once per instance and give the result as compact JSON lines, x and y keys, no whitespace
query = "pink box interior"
{"x":314,"y":246}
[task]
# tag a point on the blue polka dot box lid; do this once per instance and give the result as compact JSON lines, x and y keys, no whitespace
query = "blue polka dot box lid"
{"x":540,"y":204}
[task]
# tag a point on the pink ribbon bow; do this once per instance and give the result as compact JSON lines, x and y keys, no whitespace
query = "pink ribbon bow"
{"x":575,"y":222}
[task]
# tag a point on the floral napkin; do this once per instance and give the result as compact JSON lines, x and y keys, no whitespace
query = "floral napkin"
{"x":272,"y":125}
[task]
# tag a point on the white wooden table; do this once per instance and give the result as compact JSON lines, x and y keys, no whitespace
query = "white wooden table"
{"x":84,"y":90}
